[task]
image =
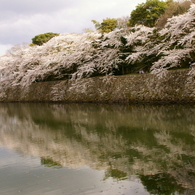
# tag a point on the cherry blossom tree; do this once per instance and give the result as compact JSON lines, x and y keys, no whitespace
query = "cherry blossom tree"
{"x":74,"y":56}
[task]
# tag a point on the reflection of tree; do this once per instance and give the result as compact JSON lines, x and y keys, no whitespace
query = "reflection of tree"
{"x":48,"y":162}
{"x":115,"y":174}
{"x":161,"y":184}
{"x":173,"y":155}
{"x":123,"y":140}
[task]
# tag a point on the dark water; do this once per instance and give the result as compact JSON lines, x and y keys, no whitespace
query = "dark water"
{"x":59,"y":149}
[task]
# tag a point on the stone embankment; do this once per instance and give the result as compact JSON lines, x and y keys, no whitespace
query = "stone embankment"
{"x":176,"y":86}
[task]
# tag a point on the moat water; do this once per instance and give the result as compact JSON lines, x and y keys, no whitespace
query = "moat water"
{"x":54,"y":149}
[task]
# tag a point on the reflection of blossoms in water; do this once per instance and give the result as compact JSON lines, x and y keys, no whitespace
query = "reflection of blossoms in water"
{"x":147,"y":141}
{"x":175,"y":157}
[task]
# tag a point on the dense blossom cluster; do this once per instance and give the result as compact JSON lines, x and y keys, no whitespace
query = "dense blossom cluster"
{"x":90,"y":54}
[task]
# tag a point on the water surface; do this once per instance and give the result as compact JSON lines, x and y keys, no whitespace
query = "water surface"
{"x":93,"y":149}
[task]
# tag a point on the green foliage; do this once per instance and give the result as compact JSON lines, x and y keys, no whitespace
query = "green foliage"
{"x":106,"y":26}
{"x":147,"y":13}
{"x":97,"y":24}
{"x":43,"y":38}
{"x":31,"y":44}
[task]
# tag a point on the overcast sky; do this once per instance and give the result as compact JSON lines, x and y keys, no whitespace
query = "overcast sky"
{"x":21,"y":20}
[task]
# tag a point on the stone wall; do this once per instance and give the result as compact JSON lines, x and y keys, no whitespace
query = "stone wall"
{"x":176,"y":86}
